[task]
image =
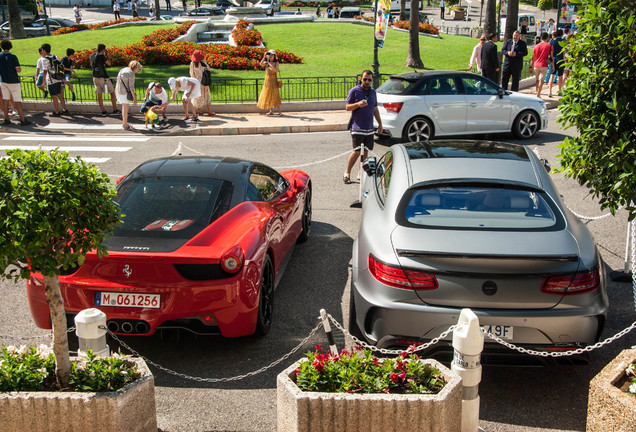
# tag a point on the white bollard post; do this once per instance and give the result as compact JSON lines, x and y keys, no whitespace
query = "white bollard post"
{"x":327,"y":327}
{"x":90,"y":328}
{"x":468,"y":343}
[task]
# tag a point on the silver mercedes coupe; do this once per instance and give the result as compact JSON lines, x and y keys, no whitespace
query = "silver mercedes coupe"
{"x":459,"y":224}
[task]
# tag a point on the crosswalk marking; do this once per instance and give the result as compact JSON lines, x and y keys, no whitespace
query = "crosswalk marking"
{"x":74,"y":139}
{"x":84,"y":126}
{"x":67,"y":148}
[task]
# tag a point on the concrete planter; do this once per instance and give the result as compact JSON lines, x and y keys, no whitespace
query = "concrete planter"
{"x":609,"y":408}
{"x":458,"y":15}
{"x":300,"y":411}
{"x":129,"y":409}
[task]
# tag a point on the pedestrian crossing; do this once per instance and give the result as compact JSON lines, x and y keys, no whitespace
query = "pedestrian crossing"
{"x":70,"y":148}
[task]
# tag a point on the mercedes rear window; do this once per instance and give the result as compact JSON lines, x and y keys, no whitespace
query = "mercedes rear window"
{"x":171,"y":207}
{"x":479,"y":207}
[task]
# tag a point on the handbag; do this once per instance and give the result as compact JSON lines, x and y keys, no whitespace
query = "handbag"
{"x":129,"y":94}
{"x":206,"y":76}
{"x":280,"y":81}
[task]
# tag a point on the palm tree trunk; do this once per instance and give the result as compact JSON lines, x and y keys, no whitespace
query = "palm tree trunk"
{"x":16,"y":28}
{"x":60,"y":336}
{"x":413,"y":60}
{"x":402,"y":10}
{"x":512,"y":19}
{"x":490,"y":20}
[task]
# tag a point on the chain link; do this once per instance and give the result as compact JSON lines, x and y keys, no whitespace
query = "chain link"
{"x":216,"y":380}
{"x":386,"y":350}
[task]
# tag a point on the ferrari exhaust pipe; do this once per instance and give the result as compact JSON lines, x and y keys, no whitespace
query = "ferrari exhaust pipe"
{"x":113,"y":326}
{"x":127,"y":327}
{"x":142,"y":327}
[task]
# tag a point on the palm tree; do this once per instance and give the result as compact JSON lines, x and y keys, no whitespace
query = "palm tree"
{"x":402,"y":10}
{"x":16,"y":28}
{"x":413,"y":60}
{"x":511,"y":19}
{"x":490,"y":20}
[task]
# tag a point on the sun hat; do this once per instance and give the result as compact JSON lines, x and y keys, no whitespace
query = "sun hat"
{"x":271,"y":52}
{"x":172,"y":82}
{"x":197,"y":56}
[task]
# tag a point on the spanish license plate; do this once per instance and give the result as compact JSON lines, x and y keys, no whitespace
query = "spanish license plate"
{"x":501,"y":331}
{"x":152,"y":301}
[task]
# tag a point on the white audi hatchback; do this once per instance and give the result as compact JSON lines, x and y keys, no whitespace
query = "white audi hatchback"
{"x":418,"y":106}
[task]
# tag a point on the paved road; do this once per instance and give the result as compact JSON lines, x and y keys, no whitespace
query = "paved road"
{"x":513,"y":399}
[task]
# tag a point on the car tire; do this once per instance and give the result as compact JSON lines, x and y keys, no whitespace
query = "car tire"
{"x":526,"y":125}
{"x":306,"y":219}
{"x":265,"y":298}
{"x":418,"y":129}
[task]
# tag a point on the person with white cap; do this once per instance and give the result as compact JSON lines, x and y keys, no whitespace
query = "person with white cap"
{"x":270,"y":95}
{"x":191,"y":88}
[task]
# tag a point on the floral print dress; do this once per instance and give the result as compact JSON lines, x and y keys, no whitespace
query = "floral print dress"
{"x":201,"y":102}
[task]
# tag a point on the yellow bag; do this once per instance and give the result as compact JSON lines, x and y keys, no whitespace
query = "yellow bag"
{"x":152,"y":117}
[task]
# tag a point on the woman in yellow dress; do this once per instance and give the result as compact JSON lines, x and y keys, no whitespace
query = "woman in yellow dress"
{"x":270,"y":95}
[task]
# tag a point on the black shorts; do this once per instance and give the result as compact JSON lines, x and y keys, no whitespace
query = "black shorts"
{"x":560,"y":66}
{"x":55,"y":89}
{"x":358,"y":140}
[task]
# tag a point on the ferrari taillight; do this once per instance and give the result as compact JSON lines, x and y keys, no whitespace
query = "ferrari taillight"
{"x":574,"y":283}
{"x":399,"y":278}
{"x":232,"y":260}
{"x":393,"y":106}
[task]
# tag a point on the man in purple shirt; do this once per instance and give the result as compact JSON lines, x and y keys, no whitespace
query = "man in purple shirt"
{"x":363,"y":103}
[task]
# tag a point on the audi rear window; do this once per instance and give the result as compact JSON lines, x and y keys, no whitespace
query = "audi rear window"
{"x":171,"y":207}
{"x":479,"y":207}
{"x":397,"y":86}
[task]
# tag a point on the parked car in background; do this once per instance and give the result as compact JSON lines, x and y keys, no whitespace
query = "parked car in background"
{"x":32,"y":30}
{"x":203,"y":244}
{"x":350,"y":12}
{"x":209,"y":11}
{"x":418,"y":106}
{"x":55,"y":23}
{"x":270,"y":7}
{"x":224,"y":4}
{"x":459,"y":224}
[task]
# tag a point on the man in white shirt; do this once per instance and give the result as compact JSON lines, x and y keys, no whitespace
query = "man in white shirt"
{"x":156,"y":100}
{"x":442,"y":5}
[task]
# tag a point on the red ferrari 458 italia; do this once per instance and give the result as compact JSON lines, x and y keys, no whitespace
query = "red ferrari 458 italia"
{"x":203,"y":243}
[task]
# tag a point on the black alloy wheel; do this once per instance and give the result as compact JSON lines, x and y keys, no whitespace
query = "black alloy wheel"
{"x":266,"y":298}
{"x":306,"y":221}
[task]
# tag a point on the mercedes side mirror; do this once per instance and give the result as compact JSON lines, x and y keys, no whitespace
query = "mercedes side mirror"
{"x":369,"y":166}
{"x":546,"y":165}
{"x":501,"y":93}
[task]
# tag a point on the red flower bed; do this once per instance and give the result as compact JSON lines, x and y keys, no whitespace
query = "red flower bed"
{"x":424,"y":28}
{"x":244,"y":36}
{"x":158,"y":48}
{"x":79,"y":27}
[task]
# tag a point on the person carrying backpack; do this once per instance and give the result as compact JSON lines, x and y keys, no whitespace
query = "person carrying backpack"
{"x":67,"y":64}
{"x":99,"y":60}
{"x":54,"y":77}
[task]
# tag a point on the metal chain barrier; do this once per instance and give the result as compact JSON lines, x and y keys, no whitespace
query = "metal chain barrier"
{"x":385,"y":350}
{"x":217,"y":380}
{"x":29,"y":338}
{"x":181,"y":146}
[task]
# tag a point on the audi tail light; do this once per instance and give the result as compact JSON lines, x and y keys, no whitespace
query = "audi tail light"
{"x":232,"y":260}
{"x":574,"y":283}
{"x":400,"y":278}
{"x":393,"y":106}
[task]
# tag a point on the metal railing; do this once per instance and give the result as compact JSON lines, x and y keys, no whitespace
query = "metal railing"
{"x":230,"y":90}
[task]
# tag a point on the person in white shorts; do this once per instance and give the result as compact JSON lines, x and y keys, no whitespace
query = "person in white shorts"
{"x":191,"y":88}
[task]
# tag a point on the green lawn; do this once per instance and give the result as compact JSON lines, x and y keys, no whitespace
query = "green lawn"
{"x":329,"y":49}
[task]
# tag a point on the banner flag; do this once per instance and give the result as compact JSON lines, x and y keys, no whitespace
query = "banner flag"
{"x":382,"y":20}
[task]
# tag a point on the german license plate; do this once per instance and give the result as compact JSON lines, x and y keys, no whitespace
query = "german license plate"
{"x":152,"y":301}
{"x":501,"y":331}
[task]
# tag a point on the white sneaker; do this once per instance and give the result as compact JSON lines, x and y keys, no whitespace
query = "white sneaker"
{"x":188,"y":121}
